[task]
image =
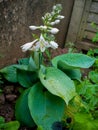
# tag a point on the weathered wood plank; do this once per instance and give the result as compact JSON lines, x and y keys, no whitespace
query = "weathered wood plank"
{"x":75,"y":20}
{"x":86,"y":45}
{"x":1,"y":1}
{"x":63,"y":26}
{"x":95,"y":0}
{"x":80,"y":25}
{"x":84,"y":20}
{"x":94,"y":7}
{"x":89,"y":35}
{"x":93,"y":18}
{"x":90,"y":28}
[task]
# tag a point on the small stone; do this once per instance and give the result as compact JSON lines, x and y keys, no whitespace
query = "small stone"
{"x":10,"y":97}
{"x":2,"y":99}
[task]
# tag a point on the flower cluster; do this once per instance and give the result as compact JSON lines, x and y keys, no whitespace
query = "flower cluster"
{"x":46,"y":39}
{"x":39,"y":44}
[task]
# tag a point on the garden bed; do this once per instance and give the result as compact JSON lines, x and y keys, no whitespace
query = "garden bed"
{"x":50,"y":90}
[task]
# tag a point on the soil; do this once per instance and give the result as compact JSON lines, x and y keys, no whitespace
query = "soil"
{"x":10,"y":94}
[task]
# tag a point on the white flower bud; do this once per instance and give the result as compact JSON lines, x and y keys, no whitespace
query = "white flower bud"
{"x":55,"y":22}
{"x":43,"y":18}
{"x":54,"y":7}
{"x":52,"y":13}
{"x":43,"y":27}
{"x":60,"y":16}
{"x":52,"y":23}
{"x":53,"y":45}
{"x":54,"y":30}
{"x":33,"y":27}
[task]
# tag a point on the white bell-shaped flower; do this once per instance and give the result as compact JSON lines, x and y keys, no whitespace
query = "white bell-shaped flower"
{"x":42,"y":44}
{"x":28,"y":45}
{"x":61,"y":17}
{"x":53,"y":45}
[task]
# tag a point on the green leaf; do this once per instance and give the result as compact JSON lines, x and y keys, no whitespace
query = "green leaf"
{"x":21,"y":67}
{"x":2,"y":120}
{"x":26,"y":78}
{"x":27,"y":64}
{"x":73,"y":60}
{"x":85,"y":122}
{"x":32,"y":66}
{"x":12,"y":125}
{"x":22,"y":112}
{"x":58,"y":83}
{"x":93,"y":75}
{"x":45,"y":108}
{"x":88,"y":93}
{"x":72,"y":73}
{"x":23,"y":61}
{"x":96,"y":51}
{"x":9,"y":73}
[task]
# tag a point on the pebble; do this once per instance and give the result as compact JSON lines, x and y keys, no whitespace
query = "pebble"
{"x":11,"y":97}
{"x":2,"y":98}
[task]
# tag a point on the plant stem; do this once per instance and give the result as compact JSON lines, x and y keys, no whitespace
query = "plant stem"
{"x":38,"y":59}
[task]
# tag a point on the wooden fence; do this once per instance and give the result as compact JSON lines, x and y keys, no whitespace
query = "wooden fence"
{"x":80,"y":30}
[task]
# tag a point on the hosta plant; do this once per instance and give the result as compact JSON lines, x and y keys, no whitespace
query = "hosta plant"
{"x":50,"y":99}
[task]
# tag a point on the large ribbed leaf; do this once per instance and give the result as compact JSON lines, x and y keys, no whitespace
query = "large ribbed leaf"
{"x":45,"y":108}
{"x":26,"y":78}
{"x":58,"y":83}
{"x":22,"y":112}
{"x":73,"y":60}
{"x":23,"y":61}
{"x":72,"y":73}
{"x":9,"y":73}
{"x":21,"y":67}
{"x":32,"y":66}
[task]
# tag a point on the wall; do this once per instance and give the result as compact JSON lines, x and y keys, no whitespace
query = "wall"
{"x":16,"y":16}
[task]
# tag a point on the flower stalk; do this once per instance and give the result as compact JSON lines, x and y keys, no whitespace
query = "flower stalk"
{"x":37,"y":59}
{"x":47,"y":38}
